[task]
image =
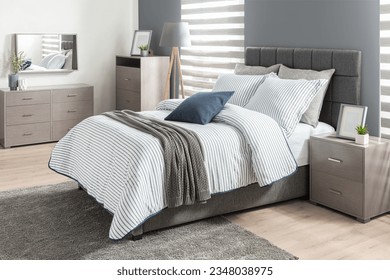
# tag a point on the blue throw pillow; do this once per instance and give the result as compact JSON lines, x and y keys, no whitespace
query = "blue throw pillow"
{"x":200,"y":108}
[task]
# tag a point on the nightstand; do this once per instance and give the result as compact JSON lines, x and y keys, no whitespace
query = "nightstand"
{"x":350,"y":178}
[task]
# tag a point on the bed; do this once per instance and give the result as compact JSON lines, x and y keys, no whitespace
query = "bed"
{"x":344,"y":88}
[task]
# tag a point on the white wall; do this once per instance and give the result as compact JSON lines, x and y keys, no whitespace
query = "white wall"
{"x":104,"y":29}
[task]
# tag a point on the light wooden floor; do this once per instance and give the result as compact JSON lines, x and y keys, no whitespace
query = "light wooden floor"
{"x":27,"y":167}
{"x":305,"y":230}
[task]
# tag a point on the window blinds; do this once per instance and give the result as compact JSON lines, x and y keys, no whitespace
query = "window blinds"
{"x":51,"y":43}
{"x":217,"y":36}
{"x":385,"y":66}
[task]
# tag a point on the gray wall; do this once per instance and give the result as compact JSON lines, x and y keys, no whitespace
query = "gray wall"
{"x":344,"y":24}
{"x":153,"y":14}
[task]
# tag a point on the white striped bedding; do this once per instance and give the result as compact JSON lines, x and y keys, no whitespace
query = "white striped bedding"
{"x":123,"y":169}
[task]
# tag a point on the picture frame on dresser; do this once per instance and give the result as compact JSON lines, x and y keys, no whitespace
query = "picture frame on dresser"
{"x":141,"y":37}
{"x":350,"y":116}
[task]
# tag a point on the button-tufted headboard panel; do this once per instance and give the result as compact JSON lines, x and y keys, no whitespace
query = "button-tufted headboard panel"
{"x":345,"y":84}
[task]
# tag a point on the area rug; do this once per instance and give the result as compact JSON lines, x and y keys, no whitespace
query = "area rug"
{"x":63,"y":222}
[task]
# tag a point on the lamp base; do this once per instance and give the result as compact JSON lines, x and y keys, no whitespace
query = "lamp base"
{"x":174,"y":61}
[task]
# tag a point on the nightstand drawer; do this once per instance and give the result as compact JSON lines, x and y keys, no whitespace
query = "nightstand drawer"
{"x":28,"y":114}
{"x":128,"y":78}
{"x":72,"y":94}
{"x":28,"y":133}
{"x":127,"y":99}
{"x":337,"y":160}
{"x":28,"y":98}
{"x":72,"y":110}
{"x":338,"y":193}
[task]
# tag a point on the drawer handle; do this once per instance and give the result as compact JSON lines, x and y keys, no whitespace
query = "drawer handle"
{"x":27,"y":98}
{"x":335,"y":160}
{"x":72,"y":95}
{"x":26,"y":116}
{"x":27,"y":134}
{"x":72,"y":111}
{"x":335,"y":192}
{"x":127,"y":79}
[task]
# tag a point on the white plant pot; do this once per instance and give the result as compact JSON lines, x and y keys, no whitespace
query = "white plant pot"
{"x":362,"y":139}
{"x":144,"y":53}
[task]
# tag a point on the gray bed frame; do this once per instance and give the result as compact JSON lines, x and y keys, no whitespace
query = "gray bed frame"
{"x":344,"y":88}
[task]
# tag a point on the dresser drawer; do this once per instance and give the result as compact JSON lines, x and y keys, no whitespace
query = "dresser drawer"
{"x":72,"y":95}
{"x":336,"y":192}
{"x":27,"y":134}
{"x":72,"y":110}
{"x":28,"y":98}
{"x":61,"y":128}
{"x":338,"y":160}
{"x":128,"y":78}
{"x":126,"y":99}
{"x":28,"y":114}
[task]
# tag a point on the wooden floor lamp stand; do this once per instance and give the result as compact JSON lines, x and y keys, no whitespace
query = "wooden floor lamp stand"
{"x":174,"y":62}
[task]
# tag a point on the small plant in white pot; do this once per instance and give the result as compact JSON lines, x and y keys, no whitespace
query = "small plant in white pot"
{"x":362,"y":136}
{"x":144,"y":50}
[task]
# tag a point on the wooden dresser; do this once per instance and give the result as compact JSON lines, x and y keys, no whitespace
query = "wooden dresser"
{"x":140,"y":81}
{"x":42,"y":114}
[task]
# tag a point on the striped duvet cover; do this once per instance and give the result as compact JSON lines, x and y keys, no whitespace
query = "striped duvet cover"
{"x":123,"y":168}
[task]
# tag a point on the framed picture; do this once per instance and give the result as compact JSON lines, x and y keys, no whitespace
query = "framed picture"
{"x":141,"y":37}
{"x":350,"y":117}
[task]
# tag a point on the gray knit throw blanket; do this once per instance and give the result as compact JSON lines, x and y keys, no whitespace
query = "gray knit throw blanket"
{"x":185,"y":173}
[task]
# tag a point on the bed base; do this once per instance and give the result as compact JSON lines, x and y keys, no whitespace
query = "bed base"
{"x":294,"y":186}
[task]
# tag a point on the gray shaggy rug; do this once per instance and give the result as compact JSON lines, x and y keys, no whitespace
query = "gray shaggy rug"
{"x":62,"y":222}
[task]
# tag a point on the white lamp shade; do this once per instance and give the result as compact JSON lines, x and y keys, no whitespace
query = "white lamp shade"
{"x":175,"y":34}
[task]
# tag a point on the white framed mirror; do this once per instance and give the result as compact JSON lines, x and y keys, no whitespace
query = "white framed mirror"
{"x":47,"y":53}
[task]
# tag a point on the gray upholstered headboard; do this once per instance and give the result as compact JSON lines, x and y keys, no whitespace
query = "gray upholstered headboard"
{"x":345,"y":84}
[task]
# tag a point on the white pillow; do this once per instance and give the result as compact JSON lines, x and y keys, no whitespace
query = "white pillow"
{"x":57,"y":62}
{"x":285,"y":100}
{"x":244,"y":86}
{"x":68,"y":60}
{"x":46,"y":59}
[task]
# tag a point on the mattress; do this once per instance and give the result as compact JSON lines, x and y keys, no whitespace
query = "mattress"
{"x":299,"y":140}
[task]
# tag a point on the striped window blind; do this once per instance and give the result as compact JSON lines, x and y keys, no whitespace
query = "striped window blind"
{"x":217,"y":36}
{"x":385,"y":66}
{"x":51,"y":43}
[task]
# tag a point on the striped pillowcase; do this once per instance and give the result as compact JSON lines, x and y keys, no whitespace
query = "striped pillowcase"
{"x":244,"y":86}
{"x":285,"y":100}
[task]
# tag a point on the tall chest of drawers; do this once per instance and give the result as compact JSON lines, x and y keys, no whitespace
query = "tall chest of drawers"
{"x":42,"y":114}
{"x":140,"y":82}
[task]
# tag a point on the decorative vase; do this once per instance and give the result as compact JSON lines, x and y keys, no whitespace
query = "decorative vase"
{"x":144,"y":53}
{"x":13,"y":81}
{"x":362,"y":139}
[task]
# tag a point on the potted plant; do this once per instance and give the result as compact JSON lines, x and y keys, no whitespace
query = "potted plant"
{"x":17,"y":61}
{"x":362,"y":136}
{"x":144,"y":49}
